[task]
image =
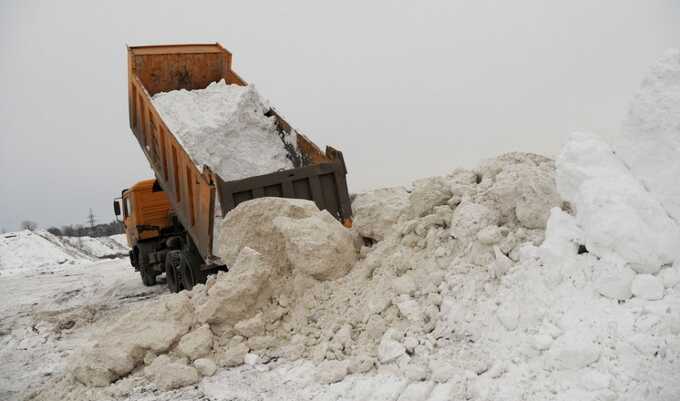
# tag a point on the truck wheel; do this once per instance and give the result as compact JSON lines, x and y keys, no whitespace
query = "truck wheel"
{"x":173,"y":264}
{"x":148,"y":279}
{"x":191,"y":275}
{"x":134,"y":258}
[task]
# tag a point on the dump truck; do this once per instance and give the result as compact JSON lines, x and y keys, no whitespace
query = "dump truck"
{"x":169,"y":219}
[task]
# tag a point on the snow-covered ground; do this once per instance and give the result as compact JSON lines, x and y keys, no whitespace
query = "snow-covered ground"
{"x":46,"y":314}
{"x":39,"y":249}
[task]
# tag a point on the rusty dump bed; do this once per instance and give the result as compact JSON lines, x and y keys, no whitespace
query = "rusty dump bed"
{"x":318,"y":176}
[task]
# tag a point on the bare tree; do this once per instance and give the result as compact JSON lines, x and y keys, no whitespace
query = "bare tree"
{"x":29,"y":225}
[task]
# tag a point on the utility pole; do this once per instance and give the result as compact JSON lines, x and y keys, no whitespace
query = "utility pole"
{"x":91,"y":219}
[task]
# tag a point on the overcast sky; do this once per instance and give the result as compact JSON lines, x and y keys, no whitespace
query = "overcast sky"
{"x":406,"y":89}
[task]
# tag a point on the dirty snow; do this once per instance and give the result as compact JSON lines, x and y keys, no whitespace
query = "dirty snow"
{"x":225,"y":128}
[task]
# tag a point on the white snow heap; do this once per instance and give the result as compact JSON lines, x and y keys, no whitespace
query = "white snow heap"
{"x":618,"y":216}
{"x":650,"y":140}
{"x":225,"y":127}
{"x":39,"y":249}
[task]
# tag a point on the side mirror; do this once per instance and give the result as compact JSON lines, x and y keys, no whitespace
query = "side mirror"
{"x":116,"y":207}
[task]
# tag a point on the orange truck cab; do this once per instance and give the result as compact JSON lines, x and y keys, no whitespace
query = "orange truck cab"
{"x":146,"y":211}
{"x":155,"y":237}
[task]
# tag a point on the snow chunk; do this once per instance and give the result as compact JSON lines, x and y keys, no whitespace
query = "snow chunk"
{"x":251,"y":224}
{"x":234,"y":355}
{"x":169,"y":374}
{"x":251,"y":359}
{"x":613,"y":280}
{"x":618,"y":216}
{"x":123,"y":346}
{"x":501,"y":263}
{"x":318,"y":245}
{"x":469,"y":218}
{"x":573,"y":350}
{"x":490,"y":235}
{"x":389,"y":349}
{"x":670,"y":277}
{"x":251,"y":327}
{"x":197,"y":343}
{"x":332,"y":371}
{"x":521,"y":187}
{"x":235,"y":293}
{"x":648,"y":287}
{"x":562,"y":237}
{"x":428,"y":193}
{"x":205,"y":366}
{"x":376,"y":212}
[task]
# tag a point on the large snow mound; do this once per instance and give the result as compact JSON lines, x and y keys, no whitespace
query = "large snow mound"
{"x":99,"y":247}
{"x":650,"y":140}
{"x":288,"y":294}
{"x":40,"y":249}
{"x":28,"y":249}
{"x":225,"y":127}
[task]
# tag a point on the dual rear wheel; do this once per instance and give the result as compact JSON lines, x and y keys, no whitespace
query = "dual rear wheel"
{"x":180,"y":274}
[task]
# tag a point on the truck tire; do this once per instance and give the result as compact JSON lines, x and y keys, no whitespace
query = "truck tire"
{"x":173,"y":269}
{"x":148,"y":279}
{"x":192,"y":275}
{"x":134,"y":258}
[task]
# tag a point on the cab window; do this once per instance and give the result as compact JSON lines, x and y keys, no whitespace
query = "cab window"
{"x":127,"y":206}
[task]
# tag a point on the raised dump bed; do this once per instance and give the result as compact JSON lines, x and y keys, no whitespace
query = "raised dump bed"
{"x":317,"y":176}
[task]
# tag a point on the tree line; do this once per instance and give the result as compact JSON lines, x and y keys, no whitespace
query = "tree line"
{"x":80,"y":230}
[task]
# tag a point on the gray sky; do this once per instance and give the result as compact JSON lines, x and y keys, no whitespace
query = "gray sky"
{"x":405,"y":89}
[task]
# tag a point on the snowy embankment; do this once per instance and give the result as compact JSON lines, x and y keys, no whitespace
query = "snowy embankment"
{"x":39,"y":249}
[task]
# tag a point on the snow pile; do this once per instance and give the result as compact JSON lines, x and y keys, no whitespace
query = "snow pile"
{"x":40,"y":249}
{"x":27,"y":249}
{"x":205,"y":325}
{"x":619,"y":216}
{"x":99,"y":247}
{"x":225,"y":127}
{"x":287,"y":295}
{"x":120,"y":239}
{"x":480,"y":285}
{"x":650,"y":141}
{"x":134,"y":338}
{"x":595,"y":309}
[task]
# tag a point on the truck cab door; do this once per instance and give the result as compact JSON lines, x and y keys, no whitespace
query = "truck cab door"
{"x":128,"y":217}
